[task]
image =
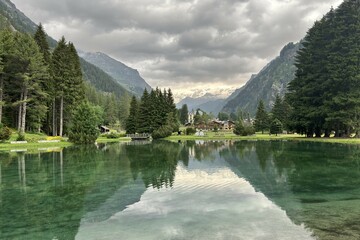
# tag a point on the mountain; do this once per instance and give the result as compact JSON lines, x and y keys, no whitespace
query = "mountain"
{"x":18,"y":20}
{"x":270,"y":81}
{"x":10,"y":16}
{"x":208,"y":103}
{"x":124,"y":75}
{"x":101,"y":80}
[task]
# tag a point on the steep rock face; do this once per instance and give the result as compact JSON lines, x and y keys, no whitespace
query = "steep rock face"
{"x":270,"y":81}
{"x":124,"y":75}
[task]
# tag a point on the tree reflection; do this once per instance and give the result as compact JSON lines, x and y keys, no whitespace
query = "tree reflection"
{"x":155,"y":163}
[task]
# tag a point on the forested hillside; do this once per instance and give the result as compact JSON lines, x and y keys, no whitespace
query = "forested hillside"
{"x":125,"y":76}
{"x":270,"y":81}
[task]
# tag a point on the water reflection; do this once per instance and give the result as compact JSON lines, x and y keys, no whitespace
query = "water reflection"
{"x":198,"y":190}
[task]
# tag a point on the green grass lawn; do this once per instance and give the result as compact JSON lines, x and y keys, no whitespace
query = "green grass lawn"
{"x":262,"y":137}
{"x":33,"y":139}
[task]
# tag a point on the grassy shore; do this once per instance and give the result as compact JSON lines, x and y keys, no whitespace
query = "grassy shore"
{"x":33,"y":144}
{"x":262,"y":137}
{"x":34,"y":138}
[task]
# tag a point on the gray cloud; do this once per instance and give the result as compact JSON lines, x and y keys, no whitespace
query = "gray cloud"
{"x":195,"y":42}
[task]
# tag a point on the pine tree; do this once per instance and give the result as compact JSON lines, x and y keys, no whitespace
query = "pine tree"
{"x":40,"y":39}
{"x":84,"y":127}
{"x":29,"y":73}
{"x":144,"y":113}
{"x":261,"y":118}
{"x":48,"y":85}
{"x":276,"y":127}
{"x":69,"y":87}
{"x":132,"y":120}
{"x":61,"y":72}
{"x":184,"y":114}
{"x":6,"y":49}
{"x":325,"y":93}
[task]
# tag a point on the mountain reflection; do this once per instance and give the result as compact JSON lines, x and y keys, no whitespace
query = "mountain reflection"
{"x":46,"y":195}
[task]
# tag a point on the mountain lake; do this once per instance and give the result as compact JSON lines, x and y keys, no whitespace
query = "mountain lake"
{"x":158,"y":190}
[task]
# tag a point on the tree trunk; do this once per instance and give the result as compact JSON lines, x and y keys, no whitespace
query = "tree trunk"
{"x":61,"y":116}
{"x":23,"y":113}
{"x":54,"y":128}
{"x":1,"y":97}
{"x":39,"y":127}
{"x":20,"y":112}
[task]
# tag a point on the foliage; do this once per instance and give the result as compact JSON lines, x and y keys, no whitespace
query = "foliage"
{"x":184,"y":111}
{"x":113,"y":135}
{"x":243,"y":129}
{"x":261,"y":118}
{"x":85,"y":121}
{"x":131,"y":122}
{"x":190,"y":131}
{"x":154,"y":111}
{"x":276,"y":127}
{"x":281,"y":110}
{"x":101,"y":80}
{"x":223,"y":116}
{"x":21,"y":136}
{"x":163,"y":132}
{"x":325,"y":95}
{"x":5,"y":133}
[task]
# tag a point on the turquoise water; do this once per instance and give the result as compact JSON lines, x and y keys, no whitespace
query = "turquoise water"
{"x":192,"y":190}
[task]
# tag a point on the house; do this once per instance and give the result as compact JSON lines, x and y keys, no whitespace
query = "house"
{"x":191,"y":116}
{"x":104,"y":129}
{"x":221,"y":125}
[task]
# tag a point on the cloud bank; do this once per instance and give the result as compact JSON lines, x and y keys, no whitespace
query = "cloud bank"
{"x":182,"y":43}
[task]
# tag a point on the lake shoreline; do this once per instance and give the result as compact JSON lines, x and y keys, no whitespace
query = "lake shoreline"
{"x":259,"y":137}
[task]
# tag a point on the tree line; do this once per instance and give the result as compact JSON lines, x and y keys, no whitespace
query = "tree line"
{"x":325,"y":94}
{"x":38,"y":89}
{"x":42,"y":88}
{"x":324,"y":97}
{"x":155,"y":113}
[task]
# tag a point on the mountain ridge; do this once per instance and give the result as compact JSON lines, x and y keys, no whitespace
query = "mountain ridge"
{"x":270,"y":81}
{"x":126,"y":76}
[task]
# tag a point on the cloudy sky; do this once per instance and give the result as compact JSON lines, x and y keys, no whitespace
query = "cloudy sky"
{"x":187,"y":45}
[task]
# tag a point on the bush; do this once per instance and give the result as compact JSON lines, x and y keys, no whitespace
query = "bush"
{"x":21,"y":137}
{"x":54,"y":138}
{"x":162,"y":132}
{"x":84,"y":128}
{"x":190,"y":131}
{"x":244,"y":130}
{"x":112,"y":135}
{"x":5,"y":133}
{"x":276,"y":127}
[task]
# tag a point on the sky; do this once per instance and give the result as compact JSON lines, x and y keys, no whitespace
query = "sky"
{"x":191,"y":46}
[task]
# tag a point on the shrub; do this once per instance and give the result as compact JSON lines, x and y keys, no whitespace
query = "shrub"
{"x":276,"y":127}
{"x":85,"y":121}
{"x":112,"y":135}
{"x":5,"y":133}
{"x":244,"y":130}
{"x":163,"y":132}
{"x":190,"y":131}
{"x":21,"y":137}
{"x":54,"y":138}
